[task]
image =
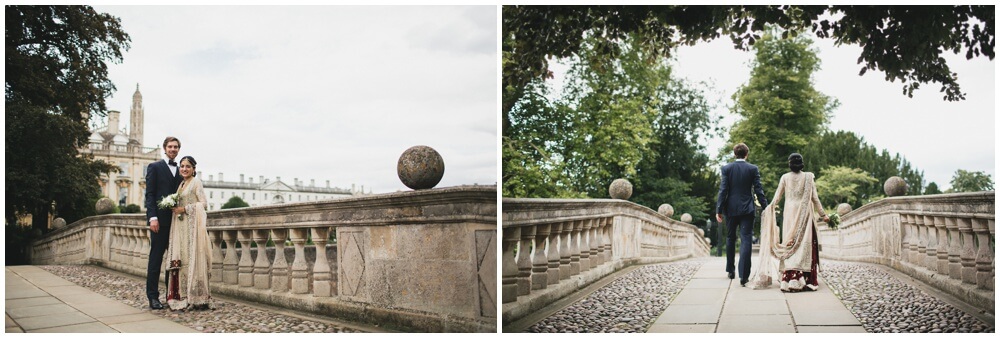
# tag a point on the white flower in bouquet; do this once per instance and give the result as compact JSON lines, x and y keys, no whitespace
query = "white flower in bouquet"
{"x":170,"y":202}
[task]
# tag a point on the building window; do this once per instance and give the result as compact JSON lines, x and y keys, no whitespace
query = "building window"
{"x":211,"y":194}
{"x":254,"y":195}
{"x":244,"y":196}
{"x":211,"y":206}
{"x":222,"y":194}
{"x":124,"y":168}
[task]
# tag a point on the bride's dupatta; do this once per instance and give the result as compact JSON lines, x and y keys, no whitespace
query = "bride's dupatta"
{"x":775,"y":256}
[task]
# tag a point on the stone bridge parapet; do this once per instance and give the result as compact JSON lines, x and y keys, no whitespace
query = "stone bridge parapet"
{"x":947,"y":241}
{"x":553,"y":247}
{"x":418,"y":260}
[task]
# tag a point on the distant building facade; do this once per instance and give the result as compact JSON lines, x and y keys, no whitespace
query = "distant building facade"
{"x":124,"y":148}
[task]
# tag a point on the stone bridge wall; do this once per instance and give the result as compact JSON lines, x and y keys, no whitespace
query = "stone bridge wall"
{"x":946,"y":240}
{"x":420,"y":260}
{"x":552,"y":247}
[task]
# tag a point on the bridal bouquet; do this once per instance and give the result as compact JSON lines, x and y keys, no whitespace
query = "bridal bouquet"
{"x":170,"y":202}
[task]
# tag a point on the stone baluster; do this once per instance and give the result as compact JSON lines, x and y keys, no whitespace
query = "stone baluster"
{"x":574,"y":247}
{"x":907,"y":235}
{"x":595,"y":245}
{"x":230,"y":265}
{"x":915,"y":240}
{"x":246,"y":262}
{"x":261,"y":266}
{"x":984,"y":257}
{"x":968,"y":250}
{"x":524,"y":260}
{"x":553,"y":254}
{"x":930,"y":258}
{"x":511,"y":236}
{"x":115,"y":247}
{"x":585,"y":243}
{"x":918,"y":259}
{"x":133,"y":245}
{"x":954,"y":248}
{"x":300,"y":269}
{"x":144,"y":247}
{"x":608,"y":228}
{"x":322,"y":277}
{"x":942,"y":247}
{"x":566,"y":250}
{"x":539,"y":262}
{"x":215,"y":274}
{"x":279,"y":269}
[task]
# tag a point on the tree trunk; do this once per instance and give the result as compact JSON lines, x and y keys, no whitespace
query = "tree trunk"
{"x":40,"y":218}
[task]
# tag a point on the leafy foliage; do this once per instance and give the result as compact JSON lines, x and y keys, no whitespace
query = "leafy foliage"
{"x":55,"y":75}
{"x":904,"y":42}
{"x":841,"y":185}
{"x":932,"y":189}
{"x":131,"y":209}
{"x":235,"y":202}
{"x":970,"y":181}
{"x":781,"y":110}
{"x":847,"y":149}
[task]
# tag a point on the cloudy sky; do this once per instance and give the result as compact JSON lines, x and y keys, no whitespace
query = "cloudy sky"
{"x":315,"y":92}
{"x":935,"y":136}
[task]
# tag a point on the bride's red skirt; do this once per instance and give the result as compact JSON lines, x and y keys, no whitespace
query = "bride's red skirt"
{"x":811,"y":277}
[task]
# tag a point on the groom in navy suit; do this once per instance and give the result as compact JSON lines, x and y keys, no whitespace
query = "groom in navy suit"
{"x":740,"y":182}
{"x":162,"y":179}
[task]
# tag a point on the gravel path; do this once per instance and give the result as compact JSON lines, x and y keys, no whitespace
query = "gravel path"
{"x":227,"y":317}
{"x":883,"y":303}
{"x":628,"y":304}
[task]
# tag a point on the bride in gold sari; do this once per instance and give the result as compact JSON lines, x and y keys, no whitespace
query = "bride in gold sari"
{"x":188,"y":255}
{"x":793,"y":259}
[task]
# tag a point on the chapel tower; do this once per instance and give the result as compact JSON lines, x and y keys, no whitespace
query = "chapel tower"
{"x":135,"y":132}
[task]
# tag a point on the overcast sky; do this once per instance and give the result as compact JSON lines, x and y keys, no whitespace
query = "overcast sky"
{"x":315,"y":92}
{"x":935,"y":136}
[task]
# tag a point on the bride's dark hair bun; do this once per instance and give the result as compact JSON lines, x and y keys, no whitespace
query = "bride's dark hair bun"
{"x":795,"y":162}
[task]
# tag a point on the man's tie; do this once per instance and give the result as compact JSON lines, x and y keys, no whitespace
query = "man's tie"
{"x":172,"y":163}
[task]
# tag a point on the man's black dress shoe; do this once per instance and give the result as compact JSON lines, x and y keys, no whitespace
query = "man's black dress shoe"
{"x":155,"y":304}
{"x":743,"y":282}
{"x":732,"y":275}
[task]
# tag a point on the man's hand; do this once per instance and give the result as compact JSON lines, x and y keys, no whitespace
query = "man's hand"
{"x":154,"y":225}
{"x":826,"y":218}
{"x":718,"y":217}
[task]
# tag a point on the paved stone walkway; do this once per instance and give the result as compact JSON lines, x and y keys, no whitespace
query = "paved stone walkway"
{"x":711,"y":302}
{"x":38,"y":301}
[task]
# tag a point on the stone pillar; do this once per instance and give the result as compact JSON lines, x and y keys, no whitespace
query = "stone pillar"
{"x":968,"y":250}
{"x":954,"y":248}
{"x":130,"y":242}
{"x":574,"y":247}
{"x":230,"y":266}
{"x":984,"y":257}
{"x":585,"y":244}
{"x":279,"y":268}
{"x":539,"y":262}
{"x":566,"y":250}
{"x":942,"y":247}
{"x":608,"y":228}
{"x":300,"y":269}
{"x":261,"y":267}
{"x":511,"y":236}
{"x":322,"y":281}
{"x":553,"y":254}
{"x":930,"y":259}
{"x":115,"y":247}
{"x":144,"y":247}
{"x":524,"y":260}
{"x":215,"y":274}
{"x":246,"y":262}
{"x":914,"y":239}
{"x":918,"y":260}
{"x":907,"y":233}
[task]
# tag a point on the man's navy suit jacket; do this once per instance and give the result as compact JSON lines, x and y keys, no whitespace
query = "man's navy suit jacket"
{"x":160,"y":182}
{"x":740,"y":182}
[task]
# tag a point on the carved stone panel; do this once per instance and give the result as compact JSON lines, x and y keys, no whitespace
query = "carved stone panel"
{"x":486,"y":260}
{"x":352,"y":244}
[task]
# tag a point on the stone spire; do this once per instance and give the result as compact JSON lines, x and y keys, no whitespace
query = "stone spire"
{"x":135,"y":132}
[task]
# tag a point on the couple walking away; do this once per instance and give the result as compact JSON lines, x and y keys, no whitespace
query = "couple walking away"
{"x":179,"y":231}
{"x":793,"y":259}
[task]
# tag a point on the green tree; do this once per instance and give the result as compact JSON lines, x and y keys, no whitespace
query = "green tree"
{"x":131,"y":209}
{"x":55,"y":76}
{"x":896,"y":40}
{"x":970,"y":181}
{"x":842,"y":185}
{"x":235,"y":202}
{"x":781,"y":112}
{"x":932,"y":189}
{"x":847,"y":149}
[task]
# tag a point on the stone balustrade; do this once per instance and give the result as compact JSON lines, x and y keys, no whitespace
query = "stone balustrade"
{"x":418,"y":260}
{"x":947,"y":241}
{"x":552,"y":247}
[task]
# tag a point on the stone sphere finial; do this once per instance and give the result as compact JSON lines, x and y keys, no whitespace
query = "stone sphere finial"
{"x":666,"y":210}
{"x":843,"y":208}
{"x":104,"y":206}
{"x":59,"y":222}
{"x":895,"y":186}
{"x":420,"y":167}
{"x":620,"y":189}
{"x":686,"y":218}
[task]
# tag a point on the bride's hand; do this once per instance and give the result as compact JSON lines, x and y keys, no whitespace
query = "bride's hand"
{"x":179,"y":209}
